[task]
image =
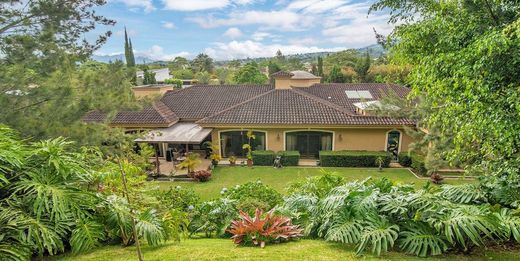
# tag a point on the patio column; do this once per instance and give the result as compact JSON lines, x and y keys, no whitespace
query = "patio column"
{"x":157,"y":158}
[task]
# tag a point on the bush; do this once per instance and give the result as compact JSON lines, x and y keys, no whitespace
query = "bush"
{"x":418,"y":165}
{"x":290,"y":158}
{"x":201,"y":175}
{"x":404,"y":159}
{"x":178,"y":198}
{"x":213,"y":217}
{"x":263,"y":157}
{"x":253,"y":195}
{"x":353,"y":158}
{"x":258,"y":231}
{"x":317,"y":185}
{"x":176,"y":82}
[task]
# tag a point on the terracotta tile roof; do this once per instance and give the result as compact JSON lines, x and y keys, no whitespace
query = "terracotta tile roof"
{"x":282,"y":74}
{"x":335,"y":92}
{"x":94,"y":117}
{"x":293,"y":107}
{"x":200,"y":101}
{"x":158,"y":113}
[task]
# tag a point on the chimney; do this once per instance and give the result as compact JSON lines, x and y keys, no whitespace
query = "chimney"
{"x":282,"y":80}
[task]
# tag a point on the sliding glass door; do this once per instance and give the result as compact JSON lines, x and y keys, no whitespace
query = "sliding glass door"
{"x":308,"y":143}
{"x":231,"y":142}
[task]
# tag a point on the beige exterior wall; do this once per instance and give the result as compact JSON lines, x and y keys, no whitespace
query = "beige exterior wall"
{"x":148,"y":92}
{"x":282,"y":83}
{"x":370,"y":139}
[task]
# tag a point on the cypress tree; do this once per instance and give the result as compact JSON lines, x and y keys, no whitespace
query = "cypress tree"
{"x":127,"y":50}
{"x":131,"y":62}
{"x":320,"y":66}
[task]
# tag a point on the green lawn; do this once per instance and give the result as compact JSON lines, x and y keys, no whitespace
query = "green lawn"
{"x":280,"y":178}
{"x":224,"y":249}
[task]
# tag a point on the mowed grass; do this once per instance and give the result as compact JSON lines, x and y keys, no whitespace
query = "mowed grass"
{"x":224,"y":249}
{"x":279,"y":179}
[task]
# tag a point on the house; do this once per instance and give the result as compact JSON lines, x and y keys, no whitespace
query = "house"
{"x":295,"y":112}
{"x":160,"y":74}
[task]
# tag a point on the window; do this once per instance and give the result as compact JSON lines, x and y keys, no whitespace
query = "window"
{"x":231,"y":142}
{"x":308,"y":143}
{"x":358,"y":94}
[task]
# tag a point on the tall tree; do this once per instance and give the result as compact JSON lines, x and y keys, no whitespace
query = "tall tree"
{"x":249,"y":73}
{"x":273,"y":67}
{"x":362,"y":67}
{"x":320,"y":66}
{"x":202,"y":63}
{"x":465,"y":57}
{"x":280,"y":57}
{"x":335,"y":75}
{"x":129,"y":51}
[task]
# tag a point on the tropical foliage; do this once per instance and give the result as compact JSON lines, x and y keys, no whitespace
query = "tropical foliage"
{"x":379,"y":216}
{"x":52,"y":196}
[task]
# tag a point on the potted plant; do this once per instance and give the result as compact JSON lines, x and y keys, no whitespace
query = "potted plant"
{"x":215,"y":158}
{"x":380,"y":162}
{"x":249,"y":154}
{"x":232,"y":160}
{"x":249,"y":148}
{"x":191,"y":162}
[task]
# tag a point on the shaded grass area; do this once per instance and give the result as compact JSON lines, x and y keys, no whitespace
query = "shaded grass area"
{"x":279,"y":179}
{"x":223,"y":249}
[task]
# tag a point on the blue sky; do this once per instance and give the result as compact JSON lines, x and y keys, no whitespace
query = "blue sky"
{"x":229,"y":29}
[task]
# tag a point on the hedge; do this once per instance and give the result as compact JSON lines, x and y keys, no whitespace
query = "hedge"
{"x":404,"y":159}
{"x":290,"y":158}
{"x":418,"y":165}
{"x":263,"y":157}
{"x":353,"y":158}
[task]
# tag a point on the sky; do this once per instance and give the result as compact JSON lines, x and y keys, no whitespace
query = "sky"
{"x":234,"y":29}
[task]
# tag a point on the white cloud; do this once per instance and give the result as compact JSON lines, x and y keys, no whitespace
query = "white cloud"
{"x":252,"y":49}
{"x":259,"y":36}
{"x":233,"y":33}
{"x":352,"y":27}
{"x":168,"y":25}
{"x":316,"y":6}
{"x":196,"y":5}
{"x":277,"y":20}
{"x":146,"y":5}
{"x":156,"y":52}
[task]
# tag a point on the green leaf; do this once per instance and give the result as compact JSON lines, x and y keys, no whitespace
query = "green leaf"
{"x":421,"y":240}
{"x":86,"y":236}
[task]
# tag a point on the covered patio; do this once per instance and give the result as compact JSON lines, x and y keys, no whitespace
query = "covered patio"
{"x":172,"y":143}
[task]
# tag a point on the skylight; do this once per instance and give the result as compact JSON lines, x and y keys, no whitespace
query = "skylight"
{"x":358,"y":94}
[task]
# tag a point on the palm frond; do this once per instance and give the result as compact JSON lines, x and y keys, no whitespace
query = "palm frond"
{"x":510,"y":224}
{"x":421,"y":240}
{"x":86,"y":236}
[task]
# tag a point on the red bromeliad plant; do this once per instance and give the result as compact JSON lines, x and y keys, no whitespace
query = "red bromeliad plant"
{"x":259,"y":231}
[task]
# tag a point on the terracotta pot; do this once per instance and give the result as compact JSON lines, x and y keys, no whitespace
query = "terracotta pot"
{"x":250,"y":163}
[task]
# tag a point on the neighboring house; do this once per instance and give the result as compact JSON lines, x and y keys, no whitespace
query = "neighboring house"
{"x":151,"y":90}
{"x":160,"y":74}
{"x":296,"y":112}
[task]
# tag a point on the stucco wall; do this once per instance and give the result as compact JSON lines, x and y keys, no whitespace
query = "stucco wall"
{"x":143,"y":92}
{"x":370,"y":139}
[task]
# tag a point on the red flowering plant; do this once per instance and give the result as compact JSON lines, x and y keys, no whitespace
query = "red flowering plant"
{"x":258,"y":231}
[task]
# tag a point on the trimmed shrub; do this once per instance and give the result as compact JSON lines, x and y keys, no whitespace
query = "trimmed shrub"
{"x":202,"y":175}
{"x":253,"y":195}
{"x":263,"y":157}
{"x":404,"y":159}
{"x":347,"y":158}
{"x":418,"y":165}
{"x":290,"y":157}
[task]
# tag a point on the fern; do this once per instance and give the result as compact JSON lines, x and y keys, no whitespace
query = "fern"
{"x":421,"y":240}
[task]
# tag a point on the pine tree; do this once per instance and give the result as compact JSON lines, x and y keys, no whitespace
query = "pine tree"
{"x":320,"y":66}
{"x":279,"y":56}
{"x":362,"y":67}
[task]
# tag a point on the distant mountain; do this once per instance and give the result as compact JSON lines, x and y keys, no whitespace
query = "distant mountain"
{"x":120,"y":57}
